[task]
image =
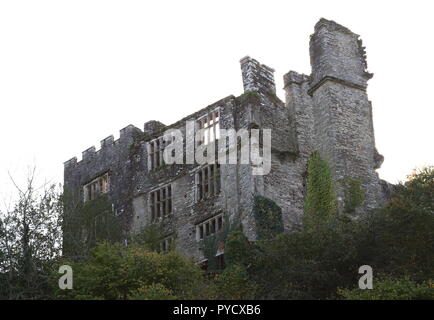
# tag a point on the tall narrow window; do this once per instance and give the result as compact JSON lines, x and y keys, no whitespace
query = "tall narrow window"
{"x":209,"y":126}
{"x":167,"y":244}
{"x":155,"y":153}
{"x":208,"y":181}
{"x":160,"y":202}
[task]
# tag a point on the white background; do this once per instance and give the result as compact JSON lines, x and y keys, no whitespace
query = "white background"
{"x":74,"y":72}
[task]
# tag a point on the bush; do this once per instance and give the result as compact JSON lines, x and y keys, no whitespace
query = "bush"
{"x":232,"y":284}
{"x":113,"y":271}
{"x":391,"y":289}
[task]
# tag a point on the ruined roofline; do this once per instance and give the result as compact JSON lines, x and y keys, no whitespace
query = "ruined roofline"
{"x":194,"y":114}
{"x":256,"y":77}
{"x":248,"y":58}
{"x":293,"y":77}
{"x":130,"y":130}
{"x":337,"y":55}
{"x":332,"y":26}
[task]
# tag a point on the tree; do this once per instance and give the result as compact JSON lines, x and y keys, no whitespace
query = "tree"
{"x":234,"y":283}
{"x":30,"y":240}
{"x":399,"y":238}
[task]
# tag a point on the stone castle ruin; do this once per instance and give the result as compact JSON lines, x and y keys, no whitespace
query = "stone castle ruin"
{"x":327,"y":112}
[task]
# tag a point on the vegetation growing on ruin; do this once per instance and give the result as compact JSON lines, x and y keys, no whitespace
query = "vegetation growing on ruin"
{"x":89,"y":223}
{"x":210,"y":243}
{"x":320,"y":202}
{"x":249,"y":96}
{"x":354,"y":194}
{"x":268,"y":218}
{"x":149,"y":237}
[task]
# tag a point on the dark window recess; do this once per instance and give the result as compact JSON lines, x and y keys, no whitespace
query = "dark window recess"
{"x":160,"y":202}
{"x":208,"y":181}
{"x":220,"y":261}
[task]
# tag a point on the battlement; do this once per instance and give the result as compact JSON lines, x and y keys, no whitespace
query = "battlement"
{"x":71,"y":162}
{"x":107,"y":145}
{"x":107,"y":142}
{"x":88,"y":154}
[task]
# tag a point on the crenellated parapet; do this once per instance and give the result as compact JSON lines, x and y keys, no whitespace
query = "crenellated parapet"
{"x":107,"y":142}
{"x":108,"y":147}
{"x":70,"y":163}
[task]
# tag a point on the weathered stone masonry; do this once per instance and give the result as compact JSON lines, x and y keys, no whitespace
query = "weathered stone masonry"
{"x":327,"y":111}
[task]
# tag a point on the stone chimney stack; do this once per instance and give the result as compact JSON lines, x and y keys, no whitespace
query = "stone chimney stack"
{"x":257,"y":77}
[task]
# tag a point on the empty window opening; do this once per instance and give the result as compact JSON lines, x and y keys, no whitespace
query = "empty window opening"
{"x":208,"y":181}
{"x":209,"y":227}
{"x":96,"y":187}
{"x":160,"y":202}
{"x":209,"y":124}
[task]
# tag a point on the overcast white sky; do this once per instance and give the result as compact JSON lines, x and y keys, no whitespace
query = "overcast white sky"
{"x":74,"y":72}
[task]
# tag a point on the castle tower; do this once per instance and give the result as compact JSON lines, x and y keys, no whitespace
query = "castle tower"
{"x":343,"y":130}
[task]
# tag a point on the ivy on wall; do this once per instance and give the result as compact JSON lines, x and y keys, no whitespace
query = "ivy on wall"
{"x":354,"y":194}
{"x":268,"y":218}
{"x":89,"y":223}
{"x":320,"y":201}
{"x":211,"y":243}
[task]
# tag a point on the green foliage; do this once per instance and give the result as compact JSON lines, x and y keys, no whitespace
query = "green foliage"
{"x":150,"y":237}
{"x":154,"y":291}
{"x":400,"y":236}
{"x":30,"y":241}
{"x":309,"y":263}
{"x":249,"y":96}
{"x":233,"y":283}
{"x":304,"y":264}
{"x":391,"y":289}
{"x":354,"y":194}
{"x":88,"y":224}
{"x":320,"y":202}
{"x":417,"y":192}
{"x":268,"y":218}
{"x":210,"y":244}
{"x":397,"y":240}
{"x":238,"y":249}
{"x":113,"y":271}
